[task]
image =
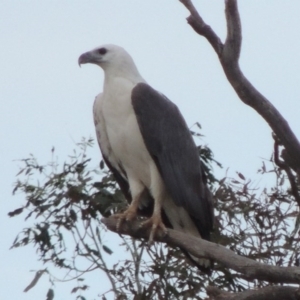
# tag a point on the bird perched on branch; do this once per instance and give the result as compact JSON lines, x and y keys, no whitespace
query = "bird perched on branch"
{"x":147,"y":145}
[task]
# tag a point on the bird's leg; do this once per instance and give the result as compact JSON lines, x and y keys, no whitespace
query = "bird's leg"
{"x":155,"y":221}
{"x":131,"y":212}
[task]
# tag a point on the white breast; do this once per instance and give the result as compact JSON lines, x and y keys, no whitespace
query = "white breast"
{"x":120,"y":137}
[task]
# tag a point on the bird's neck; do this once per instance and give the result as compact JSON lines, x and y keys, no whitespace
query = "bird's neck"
{"x":129,"y":72}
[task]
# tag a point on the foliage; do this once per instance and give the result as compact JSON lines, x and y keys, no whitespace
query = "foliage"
{"x":67,"y":203}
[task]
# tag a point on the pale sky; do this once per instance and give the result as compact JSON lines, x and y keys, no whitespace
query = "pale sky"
{"x":47,"y":99}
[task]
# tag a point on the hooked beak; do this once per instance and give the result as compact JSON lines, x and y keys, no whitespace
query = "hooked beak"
{"x":85,"y":58}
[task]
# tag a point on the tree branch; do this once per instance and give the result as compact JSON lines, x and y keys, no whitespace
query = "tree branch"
{"x":232,"y":47}
{"x":229,"y":55}
{"x":250,"y":268}
{"x":201,"y":27}
{"x":287,"y":169}
{"x":270,"y":293}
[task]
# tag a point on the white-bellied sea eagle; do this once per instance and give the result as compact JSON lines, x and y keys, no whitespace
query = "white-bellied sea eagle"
{"x":147,"y":145}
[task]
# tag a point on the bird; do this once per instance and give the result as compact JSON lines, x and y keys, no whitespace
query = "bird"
{"x":148,"y":147}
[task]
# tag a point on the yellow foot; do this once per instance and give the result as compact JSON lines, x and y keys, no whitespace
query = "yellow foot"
{"x":127,"y":215}
{"x":156,"y":223}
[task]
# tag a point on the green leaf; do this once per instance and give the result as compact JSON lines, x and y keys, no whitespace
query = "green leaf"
{"x":107,"y":250}
{"x":35,"y":280}
{"x":50,"y":295}
{"x":102,"y":164}
{"x":16,"y":212}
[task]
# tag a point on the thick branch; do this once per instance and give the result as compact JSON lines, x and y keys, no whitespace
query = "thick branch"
{"x":232,"y":47}
{"x":229,"y":55}
{"x":246,"y":91}
{"x":270,"y":293}
{"x":250,"y":268}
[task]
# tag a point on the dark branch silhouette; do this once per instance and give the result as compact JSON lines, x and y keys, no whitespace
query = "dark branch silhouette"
{"x":248,"y":267}
{"x":270,"y":293}
{"x":228,"y":54}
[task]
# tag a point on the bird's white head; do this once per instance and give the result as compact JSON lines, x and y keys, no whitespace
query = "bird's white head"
{"x":114,"y":60}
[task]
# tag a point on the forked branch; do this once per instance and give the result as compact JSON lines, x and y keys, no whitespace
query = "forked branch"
{"x":229,"y":54}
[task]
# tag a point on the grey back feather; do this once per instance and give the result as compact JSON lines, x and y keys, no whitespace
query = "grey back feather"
{"x":172,"y":147}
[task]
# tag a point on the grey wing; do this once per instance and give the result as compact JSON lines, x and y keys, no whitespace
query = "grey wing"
{"x":172,"y":147}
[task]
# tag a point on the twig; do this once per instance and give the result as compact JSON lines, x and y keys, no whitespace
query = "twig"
{"x":113,"y":284}
{"x":137,"y":262}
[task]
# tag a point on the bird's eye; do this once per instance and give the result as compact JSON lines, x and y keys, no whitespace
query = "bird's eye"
{"x":102,"y":51}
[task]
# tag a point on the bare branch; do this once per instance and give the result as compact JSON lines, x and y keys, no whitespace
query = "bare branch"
{"x":250,"y":268}
{"x":110,"y":278}
{"x":229,"y":55}
{"x":192,"y":9}
{"x":201,"y":27}
{"x":232,"y":47}
{"x":95,"y":261}
{"x":270,"y":293}
{"x":137,"y":262}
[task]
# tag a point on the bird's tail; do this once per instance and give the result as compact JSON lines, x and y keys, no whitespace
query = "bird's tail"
{"x":180,"y":220}
{"x":203,"y":264}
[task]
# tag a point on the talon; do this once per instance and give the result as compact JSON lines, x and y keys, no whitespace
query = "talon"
{"x":127,"y":216}
{"x":119,"y":223}
{"x":155,"y":223}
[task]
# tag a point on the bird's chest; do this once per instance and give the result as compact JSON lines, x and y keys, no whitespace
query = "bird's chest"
{"x":122,"y":128}
{"x":117,"y":109}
